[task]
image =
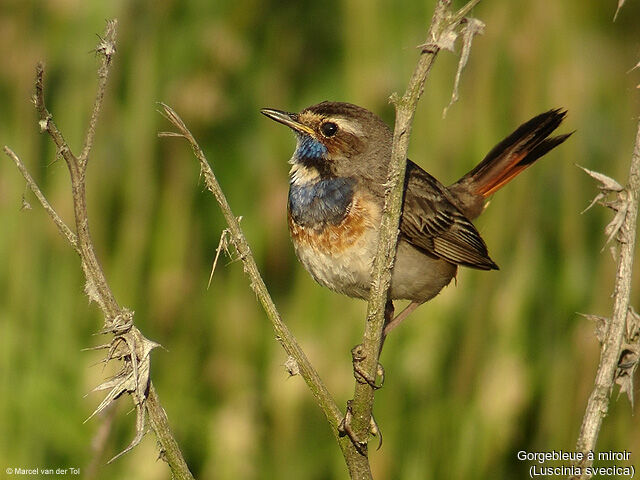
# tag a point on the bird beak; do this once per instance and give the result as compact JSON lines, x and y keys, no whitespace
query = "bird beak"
{"x":288,"y":119}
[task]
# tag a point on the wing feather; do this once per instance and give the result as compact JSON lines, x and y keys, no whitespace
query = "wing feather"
{"x":433,"y":223}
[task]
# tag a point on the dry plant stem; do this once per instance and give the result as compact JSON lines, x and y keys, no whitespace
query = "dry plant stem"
{"x":283,"y":334}
{"x":157,"y":415}
{"x":169,"y":447}
{"x":81,"y":241}
{"x":107,"y":48}
{"x":33,"y":186}
{"x":362,"y":404}
{"x":598,"y":404}
{"x":77,"y":169}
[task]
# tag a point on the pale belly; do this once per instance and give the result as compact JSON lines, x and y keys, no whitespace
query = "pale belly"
{"x":415,"y":276}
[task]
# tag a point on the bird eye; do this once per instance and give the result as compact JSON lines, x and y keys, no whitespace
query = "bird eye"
{"x":328,"y":129}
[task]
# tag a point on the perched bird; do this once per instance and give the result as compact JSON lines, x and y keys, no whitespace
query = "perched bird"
{"x":336,"y":196}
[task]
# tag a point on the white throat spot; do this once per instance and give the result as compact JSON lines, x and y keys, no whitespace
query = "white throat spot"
{"x":302,"y":175}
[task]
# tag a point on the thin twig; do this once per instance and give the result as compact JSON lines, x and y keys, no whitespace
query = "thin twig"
{"x":283,"y":334}
{"x":46,"y":120}
{"x":106,"y":48}
{"x":598,"y":404}
{"x":90,"y":264}
{"x":33,"y":186}
{"x":128,"y":344}
{"x":443,"y":22}
{"x":463,"y":12}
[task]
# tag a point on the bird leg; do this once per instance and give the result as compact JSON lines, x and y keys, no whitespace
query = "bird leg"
{"x":361,"y":376}
{"x":390,"y":325}
{"x":358,"y":356}
{"x":357,"y":352}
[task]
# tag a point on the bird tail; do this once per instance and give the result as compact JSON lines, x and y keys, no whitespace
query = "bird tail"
{"x":511,"y":156}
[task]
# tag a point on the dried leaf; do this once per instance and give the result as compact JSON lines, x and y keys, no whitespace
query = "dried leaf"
{"x":630,"y":355}
{"x":223,"y":244}
{"x":25,"y":204}
{"x":620,"y":4}
{"x":626,"y":369}
{"x":601,"y":323}
{"x":608,"y":183}
{"x":140,"y":423}
{"x":97,"y":347}
{"x":168,"y":113}
{"x":91,"y":291}
{"x":133,"y":349}
{"x":107,"y":384}
{"x":448,"y":38}
{"x":118,"y":385}
{"x":595,"y":200}
{"x":613,"y":227}
{"x":471,"y":28}
{"x":620,"y":205}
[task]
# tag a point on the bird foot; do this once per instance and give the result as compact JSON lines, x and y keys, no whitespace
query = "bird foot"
{"x":344,"y":428}
{"x":358,"y":356}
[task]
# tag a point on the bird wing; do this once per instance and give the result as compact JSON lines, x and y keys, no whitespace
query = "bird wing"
{"x":432,"y":223}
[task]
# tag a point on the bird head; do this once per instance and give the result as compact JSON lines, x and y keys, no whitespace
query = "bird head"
{"x":338,"y":139}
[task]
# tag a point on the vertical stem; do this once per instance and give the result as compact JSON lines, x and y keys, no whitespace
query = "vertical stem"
{"x":362,"y":405}
{"x":598,"y":404}
{"x":97,"y":286}
{"x":170,"y":449}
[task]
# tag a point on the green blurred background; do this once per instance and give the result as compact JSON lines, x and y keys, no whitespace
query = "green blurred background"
{"x":497,"y":364}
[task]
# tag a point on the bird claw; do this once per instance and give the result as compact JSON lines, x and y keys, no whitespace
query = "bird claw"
{"x":344,"y":428}
{"x":358,"y":356}
{"x":375,"y":431}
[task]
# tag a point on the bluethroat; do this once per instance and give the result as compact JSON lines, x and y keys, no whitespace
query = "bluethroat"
{"x":336,"y":195}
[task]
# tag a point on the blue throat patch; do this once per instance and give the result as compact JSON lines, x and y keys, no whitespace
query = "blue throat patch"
{"x":309,"y":148}
{"x":320,"y":201}
{"x":324,"y":201}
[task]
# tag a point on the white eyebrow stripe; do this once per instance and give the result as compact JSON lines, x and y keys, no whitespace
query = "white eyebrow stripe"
{"x":347,"y":125}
